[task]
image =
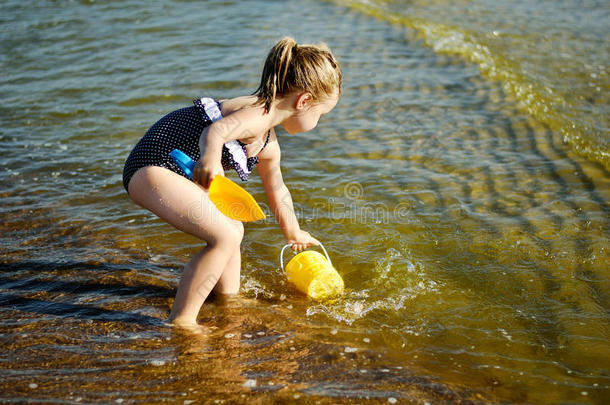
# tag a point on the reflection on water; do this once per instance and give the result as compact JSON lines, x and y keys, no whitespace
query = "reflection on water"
{"x":472,"y":241}
{"x":552,"y":57}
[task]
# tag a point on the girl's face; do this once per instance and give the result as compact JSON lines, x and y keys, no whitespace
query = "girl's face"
{"x":307,"y":115}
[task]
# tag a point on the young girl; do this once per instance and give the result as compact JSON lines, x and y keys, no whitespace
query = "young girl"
{"x":299,"y":84}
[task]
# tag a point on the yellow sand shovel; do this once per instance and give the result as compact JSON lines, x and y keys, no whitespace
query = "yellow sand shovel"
{"x":230,"y":199}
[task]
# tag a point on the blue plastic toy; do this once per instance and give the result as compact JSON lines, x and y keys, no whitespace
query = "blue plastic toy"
{"x":184,"y":161}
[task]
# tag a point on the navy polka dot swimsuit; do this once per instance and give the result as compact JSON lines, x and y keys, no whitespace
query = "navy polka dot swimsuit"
{"x":181,"y":130}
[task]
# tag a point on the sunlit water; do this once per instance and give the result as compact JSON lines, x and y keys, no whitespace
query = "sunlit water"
{"x":470,"y":224}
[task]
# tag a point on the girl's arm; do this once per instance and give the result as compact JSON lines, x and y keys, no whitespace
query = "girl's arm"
{"x":279,"y":197}
{"x":242,"y":124}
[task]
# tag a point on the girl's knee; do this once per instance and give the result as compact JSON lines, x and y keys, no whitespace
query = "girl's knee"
{"x":237,"y":232}
{"x":230,"y":237}
{"x":239,"y":229}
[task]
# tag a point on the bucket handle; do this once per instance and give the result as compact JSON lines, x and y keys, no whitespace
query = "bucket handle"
{"x":290,"y":244}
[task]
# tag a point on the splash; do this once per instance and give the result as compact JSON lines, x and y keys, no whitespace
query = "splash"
{"x":397,"y":280}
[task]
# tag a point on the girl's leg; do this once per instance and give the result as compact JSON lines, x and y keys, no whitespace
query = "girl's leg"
{"x":187,"y":207}
{"x":228,"y":283}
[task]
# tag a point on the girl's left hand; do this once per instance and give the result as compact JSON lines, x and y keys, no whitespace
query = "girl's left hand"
{"x":302,"y":240}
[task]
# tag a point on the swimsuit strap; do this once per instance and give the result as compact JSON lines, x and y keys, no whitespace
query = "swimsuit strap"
{"x":266,"y":140}
{"x":261,"y":149}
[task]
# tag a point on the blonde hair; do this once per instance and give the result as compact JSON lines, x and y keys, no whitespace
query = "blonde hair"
{"x":290,"y":67}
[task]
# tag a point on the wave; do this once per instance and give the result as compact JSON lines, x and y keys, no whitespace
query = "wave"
{"x":580,"y":123}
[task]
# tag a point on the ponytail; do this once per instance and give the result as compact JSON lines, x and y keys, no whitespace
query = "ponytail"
{"x":290,"y":67}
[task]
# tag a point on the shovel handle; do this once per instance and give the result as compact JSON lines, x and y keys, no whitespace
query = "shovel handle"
{"x":184,"y":161}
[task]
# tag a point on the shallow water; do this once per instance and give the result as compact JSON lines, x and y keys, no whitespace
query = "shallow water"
{"x":471,"y":231}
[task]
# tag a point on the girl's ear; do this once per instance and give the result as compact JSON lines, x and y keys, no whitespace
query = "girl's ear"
{"x":303,"y":100}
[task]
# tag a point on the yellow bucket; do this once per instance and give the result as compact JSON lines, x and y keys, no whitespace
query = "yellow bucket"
{"x":313,"y":274}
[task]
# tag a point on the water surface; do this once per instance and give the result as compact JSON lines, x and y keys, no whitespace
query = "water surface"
{"x":470,"y":228}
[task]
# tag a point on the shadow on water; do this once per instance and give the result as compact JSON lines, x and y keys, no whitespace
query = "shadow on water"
{"x":22,"y":291}
{"x":65,"y":310}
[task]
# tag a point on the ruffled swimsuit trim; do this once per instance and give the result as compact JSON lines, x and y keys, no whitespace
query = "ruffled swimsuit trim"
{"x":181,"y":129}
{"x":234,"y":154}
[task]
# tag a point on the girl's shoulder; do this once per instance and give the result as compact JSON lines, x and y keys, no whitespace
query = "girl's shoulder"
{"x":243,"y":120}
{"x":231,"y":105}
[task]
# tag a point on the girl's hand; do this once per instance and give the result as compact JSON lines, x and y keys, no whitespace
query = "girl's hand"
{"x":302,"y":240}
{"x":204,"y":173}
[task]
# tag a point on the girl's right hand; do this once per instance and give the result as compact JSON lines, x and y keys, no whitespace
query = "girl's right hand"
{"x":204,"y":173}
{"x":302,"y":240}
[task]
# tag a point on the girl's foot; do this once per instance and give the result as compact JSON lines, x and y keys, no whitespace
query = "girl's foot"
{"x":192,"y":327}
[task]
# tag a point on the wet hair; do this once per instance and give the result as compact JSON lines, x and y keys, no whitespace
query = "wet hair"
{"x":290,"y":67}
